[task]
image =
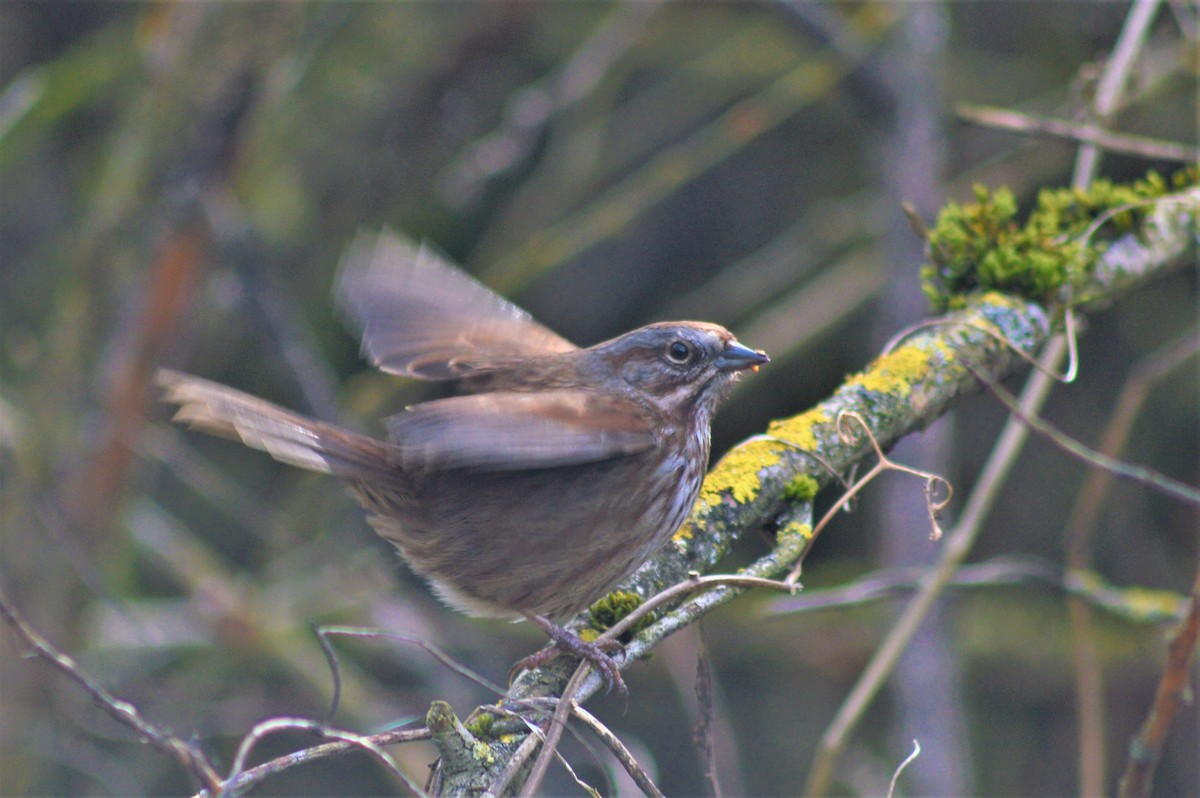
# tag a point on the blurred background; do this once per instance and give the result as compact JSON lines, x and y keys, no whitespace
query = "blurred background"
{"x":179,"y":180}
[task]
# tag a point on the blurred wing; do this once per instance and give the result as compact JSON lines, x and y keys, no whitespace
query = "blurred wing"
{"x":514,"y":431}
{"x":421,"y":316}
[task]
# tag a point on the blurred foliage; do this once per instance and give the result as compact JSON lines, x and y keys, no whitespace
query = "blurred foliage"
{"x":177,"y":181}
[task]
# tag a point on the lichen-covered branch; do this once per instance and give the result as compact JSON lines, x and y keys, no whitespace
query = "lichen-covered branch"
{"x":767,"y":478}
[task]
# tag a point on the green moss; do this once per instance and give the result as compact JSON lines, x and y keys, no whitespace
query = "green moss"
{"x":801,"y":489}
{"x":610,"y":610}
{"x":481,"y":724}
{"x":615,"y":606}
{"x":982,"y":245}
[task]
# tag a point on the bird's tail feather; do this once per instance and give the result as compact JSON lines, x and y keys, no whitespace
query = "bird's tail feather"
{"x":288,"y":437}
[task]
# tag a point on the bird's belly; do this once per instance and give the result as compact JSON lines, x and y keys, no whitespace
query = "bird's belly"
{"x":503,"y":543}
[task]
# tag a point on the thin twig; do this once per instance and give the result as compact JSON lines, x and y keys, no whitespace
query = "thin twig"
{"x":382,"y":634}
{"x":618,"y":749}
{"x":702,"y":734}
{"x":1173,"y":691}
{"x":554,"y":732}
{"x":1112,"y":82}
{"x":887,"y":583}
{"x":238,"y":784}
{"x":275,"y":725}
{"x":1134,"y":604}
{"x":1078,"y":543}
{"x":692,"y":585}
{"x":958,"y":544}
{"x":518,"y":759}
{"x":1089,"y":697}
{"x":1126,"y":143}
{"x":1065,"y":377}
{"x":883,"y":463}
{"x":794,"y":536}
{"x":125,"y":713}
{"x":1147,"y":477}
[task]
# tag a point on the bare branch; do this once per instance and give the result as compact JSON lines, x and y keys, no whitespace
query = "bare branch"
{"x":618,"y":749}
{"x":1127,"y":143}
{"x":122,"y":711}
{"x":1173,"y":691}
{"x":702,"y":734}
{"x":958,"y":544}
{"x":1147,"y":477}
{"x":243,"y":781}
{"x":275,"y":725}
{"x":1078,"y":542}
{"x":1133,"y":604}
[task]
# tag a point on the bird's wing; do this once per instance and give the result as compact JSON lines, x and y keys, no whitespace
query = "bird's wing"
{"x":420,"y":316}
{"x":507,"y":431}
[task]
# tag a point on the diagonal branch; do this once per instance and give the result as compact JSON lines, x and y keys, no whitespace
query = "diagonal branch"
{"x":1126,"y":143}
{"x":1174,"y":691}
{"x":758,"y":484}
{"x":125,"y":713}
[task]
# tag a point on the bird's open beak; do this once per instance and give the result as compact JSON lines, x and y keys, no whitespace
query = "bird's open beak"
{"x":737,"y":357}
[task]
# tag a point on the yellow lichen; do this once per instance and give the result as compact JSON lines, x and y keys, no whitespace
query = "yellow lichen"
{"x":1151,"y":605}
{"x":944,"y":349}
{"x":483,"y":752}
{"x":1001,"y":298}
{"x":794,"y":529}
{"x":737,"y":473}
{"x":684,"y":533}
{"x":895,"y":372}
{"x":1143,"y":605}
{"x":799,"y":430}
{"x":994,"y":299}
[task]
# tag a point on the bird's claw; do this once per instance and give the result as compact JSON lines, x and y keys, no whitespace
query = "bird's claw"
{"x":593,"y":653}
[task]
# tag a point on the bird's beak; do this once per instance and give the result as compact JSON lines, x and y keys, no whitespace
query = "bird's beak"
{"x":737,"y":357}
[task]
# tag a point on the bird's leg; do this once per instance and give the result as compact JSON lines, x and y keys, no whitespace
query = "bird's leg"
{"x":564,"y":641}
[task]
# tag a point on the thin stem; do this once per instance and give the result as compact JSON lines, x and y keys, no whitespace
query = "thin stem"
{"x":959,"y":542}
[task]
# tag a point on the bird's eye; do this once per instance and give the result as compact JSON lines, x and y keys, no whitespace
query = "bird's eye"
{"x":679,"y":352}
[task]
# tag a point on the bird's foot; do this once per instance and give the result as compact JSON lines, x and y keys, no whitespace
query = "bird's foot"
{"x":566,"y":642}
